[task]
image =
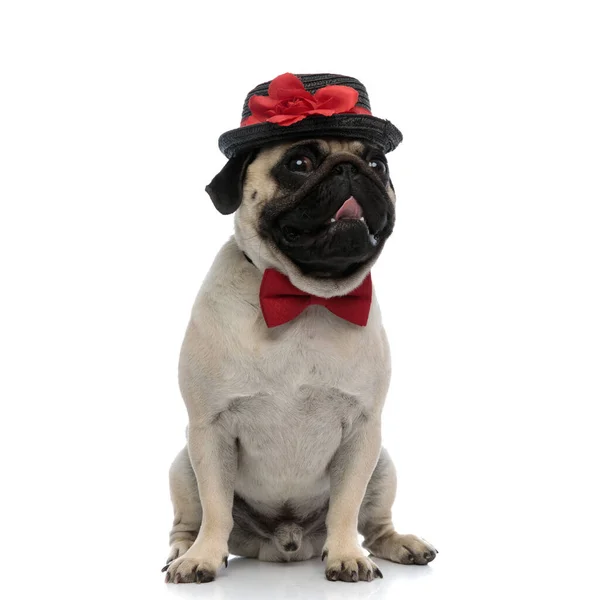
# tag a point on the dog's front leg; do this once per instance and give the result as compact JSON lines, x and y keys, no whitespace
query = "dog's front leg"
{"x":350,"y":471}
{"x":213,"y":455}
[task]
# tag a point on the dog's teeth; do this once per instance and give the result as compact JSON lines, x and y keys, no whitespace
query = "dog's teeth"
{"x":332,"y":220}
{"x":362,"y":219}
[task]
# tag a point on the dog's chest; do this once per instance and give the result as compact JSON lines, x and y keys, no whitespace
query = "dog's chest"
{"x":317,"y":350}
{"x":299,"y":381}
{"x":304,"y":387}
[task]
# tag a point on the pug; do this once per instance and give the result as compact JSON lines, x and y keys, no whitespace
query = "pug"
{"x":283,"y":460}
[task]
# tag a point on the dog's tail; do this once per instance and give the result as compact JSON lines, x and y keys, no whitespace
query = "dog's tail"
{"x":288,"y":537}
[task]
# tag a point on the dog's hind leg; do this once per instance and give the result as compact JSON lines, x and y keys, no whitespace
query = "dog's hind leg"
{"x":186,"y":505}
{"x":375,"y":520}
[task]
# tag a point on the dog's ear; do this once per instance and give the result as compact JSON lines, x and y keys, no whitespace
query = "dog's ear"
{"x":225,"y":190}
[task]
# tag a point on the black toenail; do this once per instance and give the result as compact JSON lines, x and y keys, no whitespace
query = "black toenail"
{"x":204,"y":577}
{"x":411,"y":556}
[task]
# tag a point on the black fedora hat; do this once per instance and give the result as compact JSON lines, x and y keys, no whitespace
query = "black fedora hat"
{"x":301,"y":106}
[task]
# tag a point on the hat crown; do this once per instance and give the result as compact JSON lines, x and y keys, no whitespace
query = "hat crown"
{"x":293,"y":107}
{"x":312,"y":83}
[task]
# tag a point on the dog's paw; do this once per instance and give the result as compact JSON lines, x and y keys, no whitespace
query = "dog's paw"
{"x":177,"y":549}
{"x":350,"y":565}
{"x":404,"y":549}
{"x":193,"y":569}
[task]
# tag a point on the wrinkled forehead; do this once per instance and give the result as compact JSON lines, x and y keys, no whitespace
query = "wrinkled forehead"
{"x":268,"y":157}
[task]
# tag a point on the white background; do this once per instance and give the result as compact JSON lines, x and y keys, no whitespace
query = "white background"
{"x":110,"y":114}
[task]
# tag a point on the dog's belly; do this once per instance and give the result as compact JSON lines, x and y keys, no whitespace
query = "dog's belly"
{"x":286,"y":444}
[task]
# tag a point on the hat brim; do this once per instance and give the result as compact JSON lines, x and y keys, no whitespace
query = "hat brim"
{"x":378,"y":132}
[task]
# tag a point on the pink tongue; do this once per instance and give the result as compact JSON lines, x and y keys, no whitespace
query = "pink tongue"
{"x":351,"y":209}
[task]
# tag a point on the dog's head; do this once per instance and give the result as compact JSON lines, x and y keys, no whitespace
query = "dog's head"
{"x":317,"y":210}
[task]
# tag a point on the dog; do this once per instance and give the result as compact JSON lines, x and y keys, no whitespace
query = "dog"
{"x":283,"y":460}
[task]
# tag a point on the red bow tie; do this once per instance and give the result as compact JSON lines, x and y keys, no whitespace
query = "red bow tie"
{"x":281,"y":301}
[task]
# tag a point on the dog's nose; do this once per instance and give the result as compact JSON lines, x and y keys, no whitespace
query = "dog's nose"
{"x":346,"y":168}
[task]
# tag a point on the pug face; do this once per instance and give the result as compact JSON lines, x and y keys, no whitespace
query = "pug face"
{"x":318,"y":210}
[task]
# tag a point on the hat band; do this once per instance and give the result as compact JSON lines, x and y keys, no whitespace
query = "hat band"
{"x":288,"y":102}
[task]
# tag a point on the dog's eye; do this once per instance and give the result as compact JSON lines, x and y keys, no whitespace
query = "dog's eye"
{"x":378,"y":165}
{"x":300,"y":164}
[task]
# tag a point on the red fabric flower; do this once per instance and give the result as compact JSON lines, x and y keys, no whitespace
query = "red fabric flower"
{"x":289,"y":102}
